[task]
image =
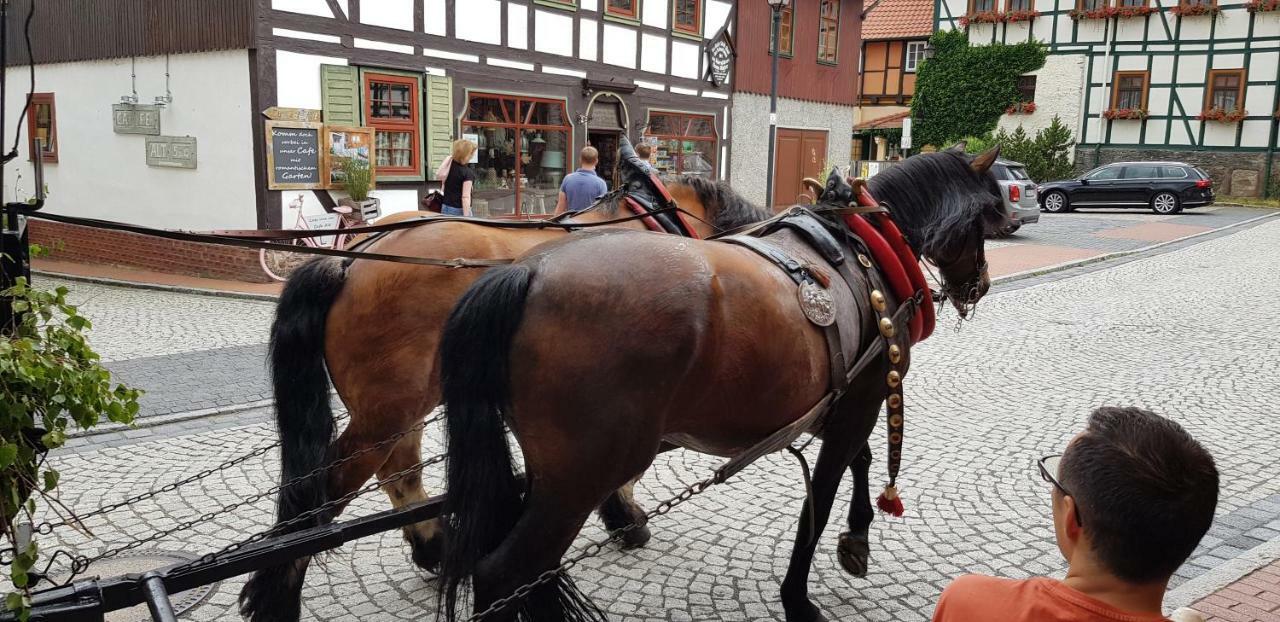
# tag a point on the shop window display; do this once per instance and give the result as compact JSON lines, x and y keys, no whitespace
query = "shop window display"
{"x":524,"y":149}
{"x":684,"y":144}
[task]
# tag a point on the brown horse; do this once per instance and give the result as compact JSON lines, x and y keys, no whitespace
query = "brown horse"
{"x":596,"y":361}
{"x":373,"y":328}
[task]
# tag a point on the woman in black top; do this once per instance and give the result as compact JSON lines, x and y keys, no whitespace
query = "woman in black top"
{"x":458,"y":179}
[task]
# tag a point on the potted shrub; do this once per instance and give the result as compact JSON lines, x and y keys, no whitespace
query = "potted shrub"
{"x":1021,"y":108}
{"x":1223,"y":115}
{"x":1263,"y":6}
{"x":1192,"y":10}
{"x":1121,"y":114}
{"x":982,"y":17}
{"x":358,"y":178}
{"x":1013,"y":17}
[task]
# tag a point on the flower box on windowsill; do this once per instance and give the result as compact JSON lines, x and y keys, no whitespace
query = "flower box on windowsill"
{"x":1126,"y":114}
{"x":982,"y":17}
{"x":1193,"y":10}
{"x":1111,"y":11}
{"x":1222,"y":115}
{"x":1013,"y":17}
{"x":1021,"y":108}
{"x":1263,"y":6}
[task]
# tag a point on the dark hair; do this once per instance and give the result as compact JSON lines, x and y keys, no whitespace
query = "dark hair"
{"x":1146,"y":491}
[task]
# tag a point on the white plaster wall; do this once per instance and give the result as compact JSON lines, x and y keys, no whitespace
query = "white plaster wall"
{"x":589,"y":36}
{"x":1219,"y":134}
{"x":518,"y":26}
{"x":715,"y":17}
{"x":749,"y":165}
{"x":620,"y":48}
{"x":298,"y":79}
{"x":655,"y":13}
{"x":1058,"y":86}
{"x":388,"y":13}
{"x":653,"y":53}
{"x":478,"y":20}
{"x":684,"y":59}
{"x":101,"y":174}
{"x":553,"y":33}
{"x":434,"y":17}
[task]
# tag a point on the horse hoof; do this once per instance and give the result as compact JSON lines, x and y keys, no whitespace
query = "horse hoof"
{"x":636,"y":538}
{"x":854,"y":553}
{"x":805,"y":611}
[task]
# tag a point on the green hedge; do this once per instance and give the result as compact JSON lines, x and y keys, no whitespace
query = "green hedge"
{"x":1047,"y":155}
{"x":964,"y":89}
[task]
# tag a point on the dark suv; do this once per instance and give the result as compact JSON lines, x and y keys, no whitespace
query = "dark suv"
{"x":1165,"y":187}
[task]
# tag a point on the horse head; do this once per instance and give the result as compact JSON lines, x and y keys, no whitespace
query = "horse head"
{"x":945,"y":202}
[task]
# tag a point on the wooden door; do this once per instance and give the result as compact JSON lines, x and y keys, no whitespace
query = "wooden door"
{"x":800,"y":154}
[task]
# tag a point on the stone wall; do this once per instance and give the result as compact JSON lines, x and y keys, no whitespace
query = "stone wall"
{"x":1058,"y":88}
{"x":748,"y":167}
{"x":1234,"y":173}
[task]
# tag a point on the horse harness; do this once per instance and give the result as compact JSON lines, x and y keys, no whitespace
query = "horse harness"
{"x":897,"y":312}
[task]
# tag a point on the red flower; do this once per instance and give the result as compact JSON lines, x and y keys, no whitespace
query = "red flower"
{"x":1027,"y":16}
{"x":1191,"y":10}
{"x":1021,"y":108}
{"x":1234,"y":115}
{"x":982,"y":17}
{"x":1111,"y":11}
{"x":1120,"y":114}
{"x":1263,"y":6}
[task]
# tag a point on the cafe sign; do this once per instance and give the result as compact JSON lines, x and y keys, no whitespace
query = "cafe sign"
{"x":719,"y":58}
{"x":171,"y":151}
{"x":136,"y":119}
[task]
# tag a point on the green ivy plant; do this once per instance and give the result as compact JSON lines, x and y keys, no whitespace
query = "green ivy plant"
{"x":50,"y":380}
{"x":964,"y":89}
{"x":1047,"y":155}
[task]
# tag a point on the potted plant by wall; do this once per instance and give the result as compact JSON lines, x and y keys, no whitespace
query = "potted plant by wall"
{"x":1021,"y":108}
{"x":1192,"y":10}
{"x":1263,"y":6}
{"x":1121,"y":114}
{"x":358,"y":179}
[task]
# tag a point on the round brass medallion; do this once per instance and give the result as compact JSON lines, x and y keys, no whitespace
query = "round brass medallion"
{"x":895,"y":354}
{"x":895,"y":401}
{"x":894,"y":379}
{"x":877,"y":301}
{"x":886,"y":327}
{"x":864,"y":260}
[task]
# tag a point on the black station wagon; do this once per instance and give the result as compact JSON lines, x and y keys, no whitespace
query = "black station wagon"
{"x":1164,"y":187}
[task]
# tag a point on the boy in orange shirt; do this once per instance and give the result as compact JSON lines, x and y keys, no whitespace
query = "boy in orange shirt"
{"x":1132,"y":496}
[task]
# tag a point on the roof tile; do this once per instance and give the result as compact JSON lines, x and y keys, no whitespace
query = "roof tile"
{"x":899,"y":19}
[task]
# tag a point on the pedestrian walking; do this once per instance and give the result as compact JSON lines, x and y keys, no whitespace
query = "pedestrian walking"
{"x":458,"y":179}
{"x":582,"y":187}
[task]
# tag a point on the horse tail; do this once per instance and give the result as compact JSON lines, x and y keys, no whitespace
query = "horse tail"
{"x":484,"y":495}
{"x":305,"y":423}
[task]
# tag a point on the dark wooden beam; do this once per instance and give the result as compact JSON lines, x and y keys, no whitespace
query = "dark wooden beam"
{"x":338,"y":14}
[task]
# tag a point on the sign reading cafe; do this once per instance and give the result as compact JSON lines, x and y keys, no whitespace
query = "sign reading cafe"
{"x":719,"y":58}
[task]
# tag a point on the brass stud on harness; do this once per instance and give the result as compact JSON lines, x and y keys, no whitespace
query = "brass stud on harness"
{"x":886,"y":327}
{"x":895,"y":354}
{"x":864,"y":260}
{"x":894,"y":379}
{"x":895,"y":401}
{"x":877,"y":301}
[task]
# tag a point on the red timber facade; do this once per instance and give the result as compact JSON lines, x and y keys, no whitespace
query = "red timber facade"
{"x":817,"y":93}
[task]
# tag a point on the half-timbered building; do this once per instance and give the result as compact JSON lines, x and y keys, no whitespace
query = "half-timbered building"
{"x":895,"y":34}
{"x":1191,"y":80}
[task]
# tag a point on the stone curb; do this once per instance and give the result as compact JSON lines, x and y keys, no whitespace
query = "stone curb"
{"x":1026,"y":274}
{"x":200,"y":291}
{"x":159,"y":420}
{"x":1223,"y":575}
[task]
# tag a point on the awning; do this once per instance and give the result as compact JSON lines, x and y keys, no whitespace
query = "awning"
{"x":890,"y":121}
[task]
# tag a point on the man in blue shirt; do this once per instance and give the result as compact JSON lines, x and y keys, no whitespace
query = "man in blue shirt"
{"x":582,"y":187}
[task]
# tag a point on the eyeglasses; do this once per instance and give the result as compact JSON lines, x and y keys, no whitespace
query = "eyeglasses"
{"x":1048,"y":470}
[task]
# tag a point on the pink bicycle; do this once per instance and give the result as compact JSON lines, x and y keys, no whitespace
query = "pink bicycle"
{"x":280,"y":264}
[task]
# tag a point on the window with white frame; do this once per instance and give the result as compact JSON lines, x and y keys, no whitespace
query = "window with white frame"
{"x":915,"y":54}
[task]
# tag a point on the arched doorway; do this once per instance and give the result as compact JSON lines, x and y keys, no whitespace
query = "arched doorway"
{"x":606,"y":123}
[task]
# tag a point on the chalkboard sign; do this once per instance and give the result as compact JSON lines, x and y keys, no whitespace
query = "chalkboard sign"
{"x":294,"y":157}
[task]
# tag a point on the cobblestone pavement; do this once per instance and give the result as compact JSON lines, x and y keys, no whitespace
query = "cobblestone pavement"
{"x":1189,"y":333}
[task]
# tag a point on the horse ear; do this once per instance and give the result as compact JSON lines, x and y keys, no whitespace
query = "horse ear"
{"x":958,"y":147}
{"x":982,"y":163}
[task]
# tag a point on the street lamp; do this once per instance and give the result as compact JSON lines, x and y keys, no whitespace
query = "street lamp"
{"x":776,"y":6}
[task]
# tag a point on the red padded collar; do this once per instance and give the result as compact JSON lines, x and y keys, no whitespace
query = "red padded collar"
{"x":896,"y":259}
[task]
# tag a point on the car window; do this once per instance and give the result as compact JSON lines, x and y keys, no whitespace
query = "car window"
{"x":1106,"y":172}
{"x":1000,"y":172}
{"x":1199,"y":172}
{"x":1173,"y":172}
{"x":1140,"y":171}
{"x":1017,"y":172}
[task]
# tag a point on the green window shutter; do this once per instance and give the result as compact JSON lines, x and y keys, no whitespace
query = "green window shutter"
{"x":340,"y":94}
{"x":438,"y":95}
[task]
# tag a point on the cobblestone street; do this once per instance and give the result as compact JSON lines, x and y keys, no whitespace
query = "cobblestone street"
{"x":1188,"y":333}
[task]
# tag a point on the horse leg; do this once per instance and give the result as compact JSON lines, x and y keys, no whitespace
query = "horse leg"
{"x":425,"y":538}
{"x":854,"y":551}
{"x":620,"y":511}
{"x":846,"y":431}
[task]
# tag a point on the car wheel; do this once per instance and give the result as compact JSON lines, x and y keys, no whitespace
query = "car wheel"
{"x":1165,"y":203}
{"x":1056,"y":203}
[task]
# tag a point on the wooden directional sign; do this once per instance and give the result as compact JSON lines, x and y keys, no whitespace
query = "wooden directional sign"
{"x":304,"y":115}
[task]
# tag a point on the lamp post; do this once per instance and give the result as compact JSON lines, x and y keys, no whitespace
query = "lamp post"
{"x":776,"y":6}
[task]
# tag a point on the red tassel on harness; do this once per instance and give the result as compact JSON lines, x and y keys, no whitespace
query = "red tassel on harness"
{"x":889,"y":502}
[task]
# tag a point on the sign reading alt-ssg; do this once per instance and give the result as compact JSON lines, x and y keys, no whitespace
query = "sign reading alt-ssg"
{"x":136,"y":119}
{"x":171,"y":151}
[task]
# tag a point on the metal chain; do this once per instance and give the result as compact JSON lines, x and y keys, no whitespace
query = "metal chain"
{"x":594,"y":548}
{"x":209,"y":558}
{"x":82,"y":562}
{"x":47,"y":527}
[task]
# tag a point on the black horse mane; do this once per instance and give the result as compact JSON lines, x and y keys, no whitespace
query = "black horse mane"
{"x":938,"y":200}
{"x":726,"y":209}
